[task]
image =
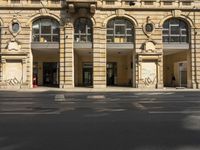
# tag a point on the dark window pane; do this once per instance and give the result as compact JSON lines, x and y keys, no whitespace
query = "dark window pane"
{"x":165,"y":32}
{"x":110,"y":24}
{"x":174,"y":21}
{"x":36,"y":38}
{"x":183,"y":32}
{"x":89,"y":38}
{"x":46,"y":29}
{"x":83,"y":29}
{"x":174,"y":39}
{"x":55,"y":30}
{"x":110,"y":39}
{"x":119,"y":21}
{"x":166,"y":25}
{"x":130,"y":39}
{"x":55,"y":38}
{"x":129,"y":25}
{"x":129,"y":31}
{"x":165,"y":39}
{"x":175,"y":30}
{"x":36,"y":30}
{"x":120,"y":30}
{"x":110,"y":31}
{"x":183,"y":39}
{"x":83,"y":38}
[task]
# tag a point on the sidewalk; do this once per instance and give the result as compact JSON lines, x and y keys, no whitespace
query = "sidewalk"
{"x":108,"y":89}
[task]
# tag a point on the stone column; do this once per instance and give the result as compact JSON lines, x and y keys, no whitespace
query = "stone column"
{"x":195,"y":53}
{"x":134,"y":69}
{"x":99,"y":57}
{"x":68,"y":58}
{"x":138,"y":44}
{"x":160,"y":71}
{"x":2,"y":83}
{"x":62,"y":58}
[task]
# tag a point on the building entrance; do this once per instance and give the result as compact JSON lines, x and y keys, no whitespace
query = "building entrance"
{"x":50,"y":73}
{"x":111,"y":73}
{"x":87,"y":74}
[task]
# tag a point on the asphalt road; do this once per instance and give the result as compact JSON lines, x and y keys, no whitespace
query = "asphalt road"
{"x":99,"y":121}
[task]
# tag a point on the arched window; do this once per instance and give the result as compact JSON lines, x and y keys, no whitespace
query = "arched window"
{"x":45,"y":30}
{"x":119,"y":30}
{"x":83,"y":30}
{"x":175,"y":31}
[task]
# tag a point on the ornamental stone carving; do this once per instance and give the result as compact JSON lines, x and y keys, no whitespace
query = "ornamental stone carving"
{"x":148,"y":27}
{"x":14,"y":26}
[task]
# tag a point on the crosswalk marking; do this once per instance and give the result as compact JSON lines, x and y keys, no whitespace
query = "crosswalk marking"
{"x":175,"y":112}
{"x":59,"y":97}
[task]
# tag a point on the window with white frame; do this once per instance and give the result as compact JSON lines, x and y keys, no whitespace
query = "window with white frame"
{"x":45,"y":30}
{"x":83,"y":30}
{"x":119,"y":30}
{"x":175,"y":31}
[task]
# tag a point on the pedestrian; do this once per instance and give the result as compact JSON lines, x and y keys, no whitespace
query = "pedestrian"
{"x":173,"y":82}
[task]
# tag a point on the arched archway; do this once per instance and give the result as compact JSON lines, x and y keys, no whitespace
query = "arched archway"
{"x":176,"y":50}
{"x":45,"y":50}
{"x":120,"y":52}
{"x":83,"y":56}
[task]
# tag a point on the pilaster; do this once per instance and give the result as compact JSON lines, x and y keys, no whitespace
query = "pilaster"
{"x":99,"y":57}
{"x":67,"y":78}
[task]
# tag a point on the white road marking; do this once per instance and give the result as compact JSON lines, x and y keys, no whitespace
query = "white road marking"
{"x":59,"y":97}
{"x":174,"y":112}
{"x":138,"y":105}
{"x":96,"y":97}
{"x":17,"y":103}
{"x":29,"y":113}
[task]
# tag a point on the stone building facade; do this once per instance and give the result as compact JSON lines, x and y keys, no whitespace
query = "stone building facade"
{"x":100,"y":43}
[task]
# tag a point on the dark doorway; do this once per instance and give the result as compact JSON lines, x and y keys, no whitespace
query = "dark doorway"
{"x":87,"y":74}
{"x":111,"y":73}
{"x":50,"y":73}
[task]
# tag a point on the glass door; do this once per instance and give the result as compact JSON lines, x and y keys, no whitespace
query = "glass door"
{"x":87,"y":74}
{"x":50,"y":73}
{"x":111,"y":73}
